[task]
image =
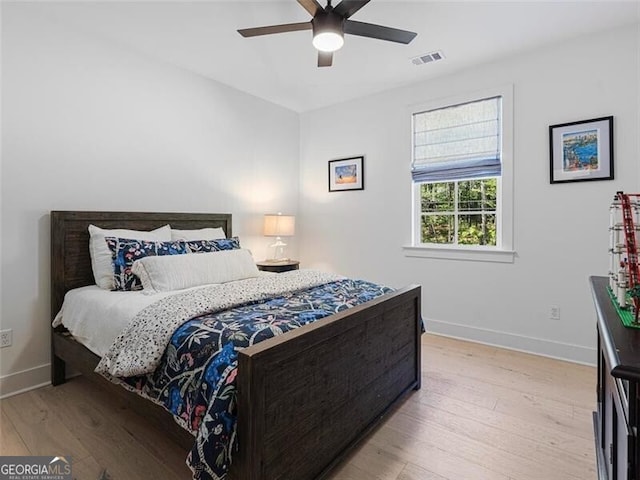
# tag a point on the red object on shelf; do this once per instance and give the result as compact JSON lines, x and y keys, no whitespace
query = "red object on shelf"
{"x":632,"y":246}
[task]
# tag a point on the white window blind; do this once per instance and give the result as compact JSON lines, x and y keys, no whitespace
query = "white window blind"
{"x":458,"y":142}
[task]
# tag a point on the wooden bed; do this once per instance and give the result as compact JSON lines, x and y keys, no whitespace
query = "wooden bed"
{"x":305,"y":398}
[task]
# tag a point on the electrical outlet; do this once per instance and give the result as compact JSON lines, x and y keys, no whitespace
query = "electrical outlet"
{"x":6,"y":338}
{"x":554,"y":312}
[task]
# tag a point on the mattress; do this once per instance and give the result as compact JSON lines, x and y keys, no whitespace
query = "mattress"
{"x":95,"y":316}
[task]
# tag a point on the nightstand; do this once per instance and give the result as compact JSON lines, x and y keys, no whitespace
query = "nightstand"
{"x":278,"y":267}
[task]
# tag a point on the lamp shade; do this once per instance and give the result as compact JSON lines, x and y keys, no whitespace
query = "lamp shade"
{"x":277,"y":225}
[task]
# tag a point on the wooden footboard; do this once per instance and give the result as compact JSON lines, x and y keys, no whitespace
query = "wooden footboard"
{"x":308,"y":397}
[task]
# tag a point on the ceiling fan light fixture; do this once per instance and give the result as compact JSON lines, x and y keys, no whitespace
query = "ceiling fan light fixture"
{"x":328,"y":41}
{"x":328,"y":32}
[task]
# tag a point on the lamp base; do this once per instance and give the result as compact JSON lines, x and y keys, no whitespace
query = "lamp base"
{"x":278,"y":252}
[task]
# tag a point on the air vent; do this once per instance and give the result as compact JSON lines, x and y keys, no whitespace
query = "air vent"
{"x":427,"y":58}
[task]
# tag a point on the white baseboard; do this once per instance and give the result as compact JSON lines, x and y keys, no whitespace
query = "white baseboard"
{"x":521,"y":343}
{"x":25,"y":380}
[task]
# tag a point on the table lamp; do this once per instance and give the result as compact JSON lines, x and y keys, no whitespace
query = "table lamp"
{"x":278,"y":225}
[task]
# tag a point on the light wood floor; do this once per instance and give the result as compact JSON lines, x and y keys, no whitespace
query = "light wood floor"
{"x":483,"y":413}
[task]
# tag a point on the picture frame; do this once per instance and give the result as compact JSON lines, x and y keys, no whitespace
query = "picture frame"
{"x":581,"y":151}
{"x":346,"y":174}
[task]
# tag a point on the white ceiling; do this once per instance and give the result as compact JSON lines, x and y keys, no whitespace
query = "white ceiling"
{"x":201,"y":37}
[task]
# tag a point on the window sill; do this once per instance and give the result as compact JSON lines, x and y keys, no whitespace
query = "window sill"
{"x":474,"y":254}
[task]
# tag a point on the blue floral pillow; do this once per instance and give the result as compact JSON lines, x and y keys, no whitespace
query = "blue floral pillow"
{"x":205,"y":246}
{"x":125,"y":251}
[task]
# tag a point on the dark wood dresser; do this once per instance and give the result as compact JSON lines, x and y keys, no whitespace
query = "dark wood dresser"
{"x":616,"y":420}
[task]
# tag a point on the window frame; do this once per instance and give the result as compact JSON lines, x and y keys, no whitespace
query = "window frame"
{"x":503,"y":250}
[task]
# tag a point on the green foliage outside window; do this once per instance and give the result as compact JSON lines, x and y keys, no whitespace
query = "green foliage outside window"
{"x":459,"y":212}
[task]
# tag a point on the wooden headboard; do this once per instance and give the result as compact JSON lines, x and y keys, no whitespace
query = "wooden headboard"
{"x":70,"y":260}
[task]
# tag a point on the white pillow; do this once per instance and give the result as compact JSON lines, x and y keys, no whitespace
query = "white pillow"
{"x":177,"y":272}
{"x":200,"y":234}
{"x":101,"y":260}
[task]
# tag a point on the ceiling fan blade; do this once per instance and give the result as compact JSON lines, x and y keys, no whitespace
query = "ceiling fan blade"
{"x":325,"y":59}
{"x":288,"y":27}
{"x":346,"y":8}
{"x":378,"y":31}
{"x":311,"y":6}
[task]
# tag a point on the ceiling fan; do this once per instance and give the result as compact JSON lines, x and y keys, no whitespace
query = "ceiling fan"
{"x":329,"y":24}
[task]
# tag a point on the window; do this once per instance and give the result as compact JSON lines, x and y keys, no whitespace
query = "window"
{"x":461,"y":172}
{"x":459,"y":213}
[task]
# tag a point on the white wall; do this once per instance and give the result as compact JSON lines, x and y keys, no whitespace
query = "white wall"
{"x":560,"y":231}
{"x":90,"y":126}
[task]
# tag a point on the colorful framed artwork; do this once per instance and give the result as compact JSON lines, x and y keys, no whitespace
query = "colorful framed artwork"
{"x":581,"y":151}
{"x":346,"y":174}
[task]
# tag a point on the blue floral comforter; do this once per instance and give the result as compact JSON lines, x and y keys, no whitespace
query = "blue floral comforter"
{"x":196,"y":378}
